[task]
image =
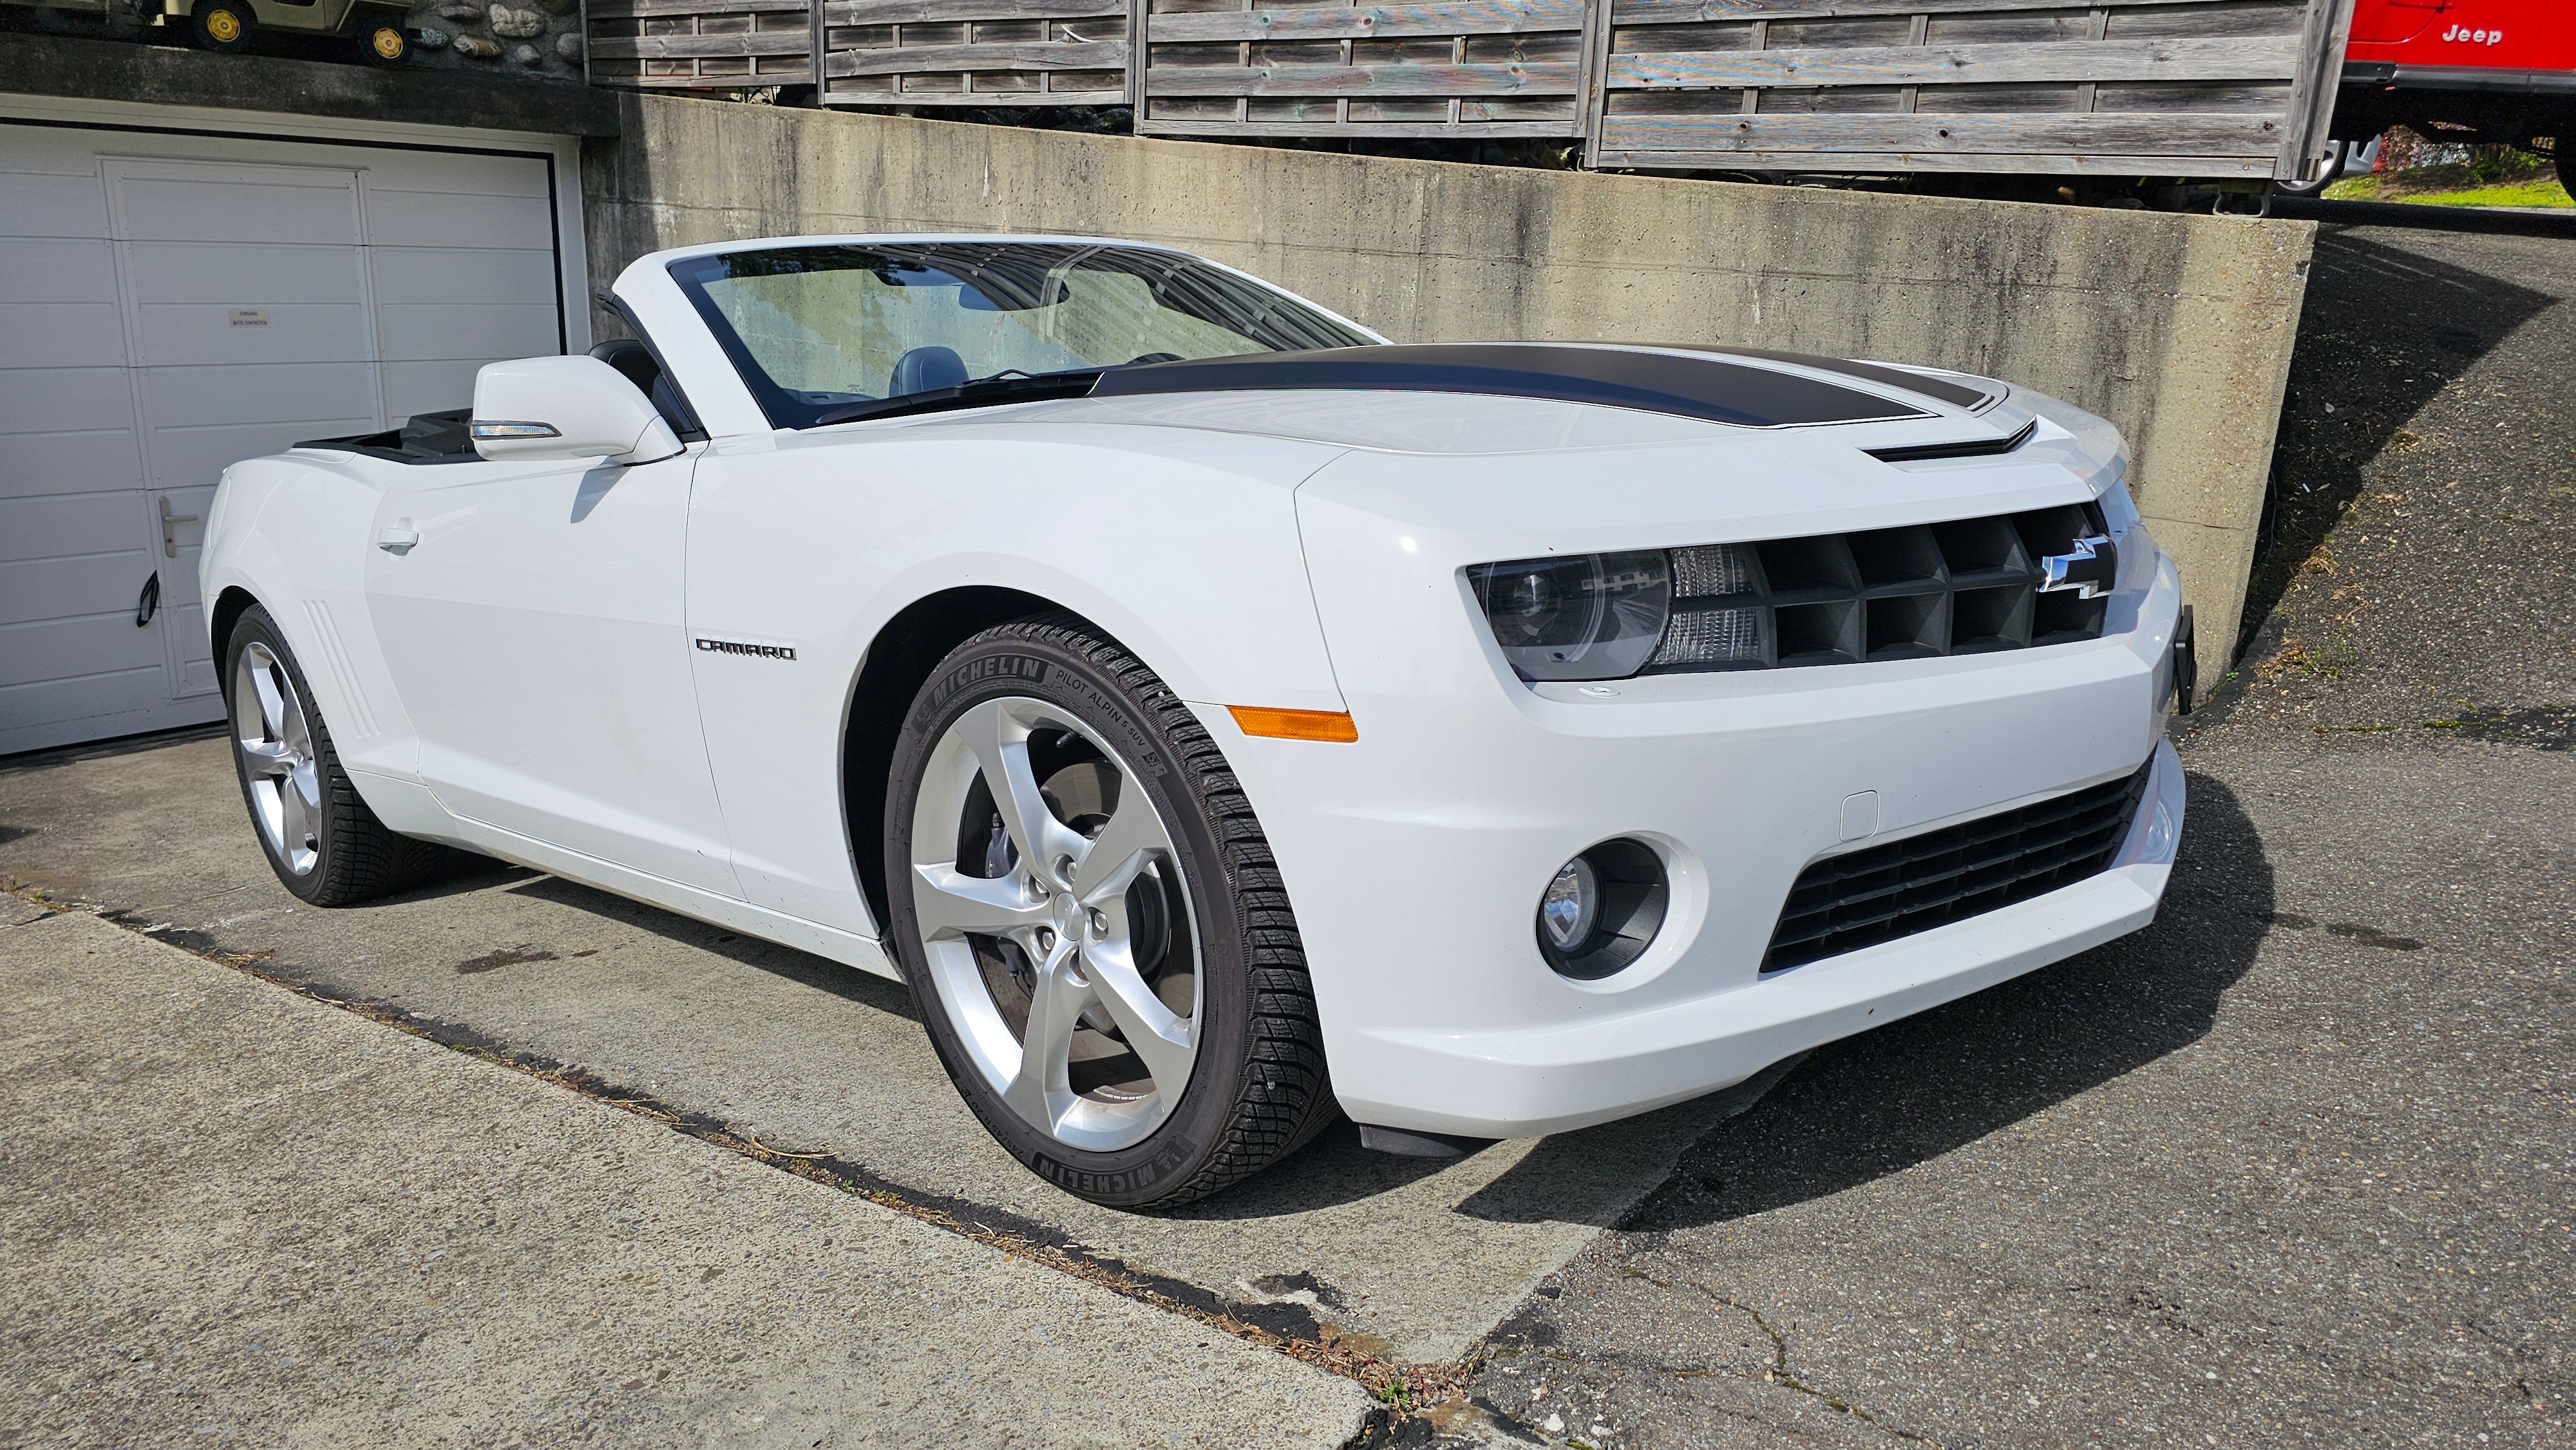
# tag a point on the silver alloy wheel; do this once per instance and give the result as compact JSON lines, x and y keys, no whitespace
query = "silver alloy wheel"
{"x":1056,"y":923}
{"x":276,"y":743}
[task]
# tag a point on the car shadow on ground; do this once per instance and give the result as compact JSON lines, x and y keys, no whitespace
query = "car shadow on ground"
{"x":1882,"y":1102}
{"x":1855,"y":1111}
{"x":803,"y":968}
{"x":2384,"y":329}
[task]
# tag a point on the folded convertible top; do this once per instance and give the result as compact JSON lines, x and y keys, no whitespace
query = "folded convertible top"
{"x":1689,"y":385}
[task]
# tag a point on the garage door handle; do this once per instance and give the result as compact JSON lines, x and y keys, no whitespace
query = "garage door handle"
{"x":170,"y":523}
{"x":147,"y":601}
{"x":397,"y":541}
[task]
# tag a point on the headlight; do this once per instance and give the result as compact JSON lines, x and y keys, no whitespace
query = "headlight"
{"x":1580,"y":616}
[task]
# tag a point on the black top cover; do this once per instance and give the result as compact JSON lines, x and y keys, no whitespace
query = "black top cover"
{"x":1689,"y":386}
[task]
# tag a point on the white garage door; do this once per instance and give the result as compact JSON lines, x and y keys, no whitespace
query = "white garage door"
{"x":171,"y":304}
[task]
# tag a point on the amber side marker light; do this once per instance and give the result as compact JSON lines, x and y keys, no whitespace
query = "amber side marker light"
{"x":1296,"y":724}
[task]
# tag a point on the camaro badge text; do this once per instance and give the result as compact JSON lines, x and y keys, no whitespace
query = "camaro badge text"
{"x":735,"y":647}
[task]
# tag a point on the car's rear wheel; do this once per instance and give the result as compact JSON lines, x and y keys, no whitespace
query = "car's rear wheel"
{"x":1089,"y":916}
{"x":320,"y":837}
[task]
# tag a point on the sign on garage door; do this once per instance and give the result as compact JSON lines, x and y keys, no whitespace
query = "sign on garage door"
{"x":170,"y":305}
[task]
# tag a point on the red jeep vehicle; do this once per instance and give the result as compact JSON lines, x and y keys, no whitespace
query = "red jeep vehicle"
{"x":2497,"y":72}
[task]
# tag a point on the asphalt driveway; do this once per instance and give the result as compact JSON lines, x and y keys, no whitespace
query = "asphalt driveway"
{"x":2298,"y":1165}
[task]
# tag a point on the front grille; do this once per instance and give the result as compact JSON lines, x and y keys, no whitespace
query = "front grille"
{"x":1967,"y":586}
{"x":1847,"y":902}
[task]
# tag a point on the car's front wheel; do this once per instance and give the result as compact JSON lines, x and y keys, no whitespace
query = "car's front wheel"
{"x":326,"y":846}
{"x":1090,"y":918}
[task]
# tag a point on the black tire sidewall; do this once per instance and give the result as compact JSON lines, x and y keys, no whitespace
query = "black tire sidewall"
{"x":255,"y":625}
{"x":1172,"y":1154}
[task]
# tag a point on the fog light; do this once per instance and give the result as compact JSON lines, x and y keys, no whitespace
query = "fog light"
{"x":1570,"y":906}
{"x":1602,"y":910}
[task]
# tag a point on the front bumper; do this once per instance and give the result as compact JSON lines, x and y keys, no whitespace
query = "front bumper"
{"x":1415,"y":857}
{"x":1516,"y":1083}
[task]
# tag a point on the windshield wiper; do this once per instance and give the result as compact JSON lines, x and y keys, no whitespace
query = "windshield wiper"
{"x":1010,"y":385}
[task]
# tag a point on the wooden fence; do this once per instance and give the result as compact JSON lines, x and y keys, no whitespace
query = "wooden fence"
{"x":2215,"y":88}
{"x":875,"y":52}
{"x":1452,"y":68}
{"x":701,"y":43}
{"x":2200,"y":88}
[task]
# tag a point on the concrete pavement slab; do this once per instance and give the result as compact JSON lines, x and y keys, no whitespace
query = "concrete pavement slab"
{"x":229,"y":1215}
{"x":1415,"y":1258}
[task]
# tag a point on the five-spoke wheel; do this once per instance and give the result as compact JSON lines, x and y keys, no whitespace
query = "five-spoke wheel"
{"x":1086,"y":909}
{"x":276,"y":745}
{"x":319,"y":836}
{"x":1055,"y":919}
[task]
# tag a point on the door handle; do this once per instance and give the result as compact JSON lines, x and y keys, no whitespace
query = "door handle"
{"x":397,"y":540}
{"x":170,"y":523}
{"x":147,"y":601}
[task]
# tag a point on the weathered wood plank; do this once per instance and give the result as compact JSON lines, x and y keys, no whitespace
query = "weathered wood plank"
{"x":1546,"y":78}
{"x":842,"y":96}
{"x":2050,"y":163}
{"x":2267,"y":58}
{"x":2312,"y":98}
{"x":1038,"y":55}
{"x":699,"y":47}
{"x":1720,"y":135}
{"x":1462,"y":129}
{"x":1369,"y":22}
{"x":942,"y":12}
{"x":1691,"y":12}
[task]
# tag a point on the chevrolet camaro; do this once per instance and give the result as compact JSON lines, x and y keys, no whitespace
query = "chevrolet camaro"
{"x":1221,"y":718}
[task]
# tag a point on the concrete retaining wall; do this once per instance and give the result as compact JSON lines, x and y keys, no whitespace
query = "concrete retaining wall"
{"x":2176,"y":328}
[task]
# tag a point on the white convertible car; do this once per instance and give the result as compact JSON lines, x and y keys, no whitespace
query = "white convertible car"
{"x":1218,"y":716}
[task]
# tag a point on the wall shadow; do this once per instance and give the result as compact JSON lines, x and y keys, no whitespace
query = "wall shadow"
{"x":1882,"y":1102}
{"x":2384,"y":329}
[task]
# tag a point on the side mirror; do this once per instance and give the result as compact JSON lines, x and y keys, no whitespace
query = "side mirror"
{"x":565,"y":407}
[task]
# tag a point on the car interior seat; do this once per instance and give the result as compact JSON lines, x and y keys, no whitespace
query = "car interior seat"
{"x":925,"y":368}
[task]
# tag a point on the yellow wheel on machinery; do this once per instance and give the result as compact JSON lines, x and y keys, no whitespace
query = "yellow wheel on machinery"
{"x":386,"y":42}
{"x":221,"y":25}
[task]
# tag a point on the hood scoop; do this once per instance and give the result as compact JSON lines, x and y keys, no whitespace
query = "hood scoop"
{"x":1969,"y":448}
{"x":1710,"y":388}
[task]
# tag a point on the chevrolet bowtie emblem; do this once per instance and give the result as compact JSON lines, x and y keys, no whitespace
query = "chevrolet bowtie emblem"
{"x":2089,"y":569}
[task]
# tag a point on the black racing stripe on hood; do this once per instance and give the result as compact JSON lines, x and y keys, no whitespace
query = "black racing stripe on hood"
{"x":1689,"y":386}
{"x":1947,"y":391}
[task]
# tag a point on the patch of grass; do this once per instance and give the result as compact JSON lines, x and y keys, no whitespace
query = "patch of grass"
{"x":2526,"y":194}
{"x":2514,"y":181}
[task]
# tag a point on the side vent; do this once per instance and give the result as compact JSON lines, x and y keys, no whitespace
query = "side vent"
{"x":359,"y":722}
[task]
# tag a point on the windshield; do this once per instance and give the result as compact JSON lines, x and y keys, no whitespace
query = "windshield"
{"x":823,"y":330}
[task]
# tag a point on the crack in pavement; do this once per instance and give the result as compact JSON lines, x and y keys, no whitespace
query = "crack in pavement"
{"x":1779,"y":1373}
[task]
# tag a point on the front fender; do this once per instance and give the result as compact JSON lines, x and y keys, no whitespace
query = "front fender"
{"x":1182,"y":545}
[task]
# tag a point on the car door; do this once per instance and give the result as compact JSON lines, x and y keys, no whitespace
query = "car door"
{"x":532,"y":617}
